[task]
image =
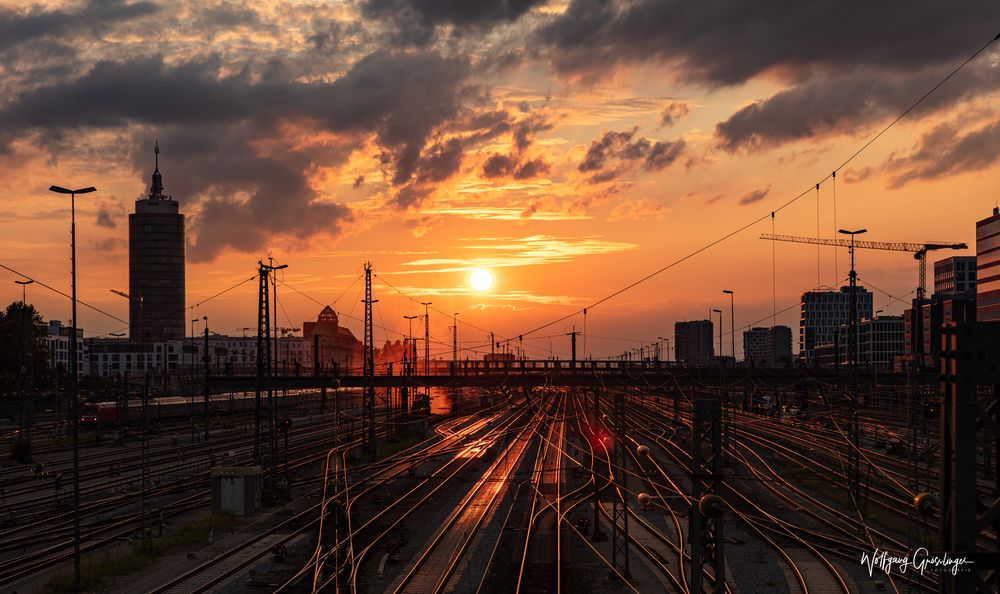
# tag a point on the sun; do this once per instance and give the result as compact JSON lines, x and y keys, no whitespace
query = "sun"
{"x":481,"y":280}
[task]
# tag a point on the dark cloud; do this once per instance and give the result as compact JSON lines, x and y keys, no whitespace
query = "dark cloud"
{"x":526,"y":129}
{"x":846,"y":65}
{"x":330,"y":37}
{"x":104,"y":217}
{"x":755,"y":196}
{"x":225,"y":16}
{"x":94,"y":17}
{"x":606,"y":155}
{"x":440,"y":161}
{"x":401,"y":97}
{"x":945,"y":151}
{"x":358,"y":181}
{"x":245,"y":196}
{"x":663,"y":154}
{"x":607,"y":146}
{"x":845,"y":103}
{"x":673,"y":112}
{"x":725,"y":43}
{"x":214,"y":126}
{"x":499,"y":166}
{"x":415,"y":21}
{"x":532,"y":168}
{"x":511,"y":166}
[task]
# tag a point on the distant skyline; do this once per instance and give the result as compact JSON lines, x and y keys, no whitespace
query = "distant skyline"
{"x":568,"y":148}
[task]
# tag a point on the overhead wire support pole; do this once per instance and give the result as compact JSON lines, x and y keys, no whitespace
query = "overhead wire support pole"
{"x":263,"y":355}
{"x":427,"y":337}
{"x":706,"y":529}
{"x":369,"y":368}
{"x":968,"y":360}
{"x":619,"y":507}
{"x":265,"y":372}
{"x":573,"y":336}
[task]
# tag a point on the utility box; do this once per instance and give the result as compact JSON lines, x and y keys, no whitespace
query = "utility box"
{"x":236,"y":490}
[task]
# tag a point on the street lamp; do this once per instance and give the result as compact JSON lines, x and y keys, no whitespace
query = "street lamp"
{"x":732,"y":320}
{"x":194,"y":349}
{"x":852,"y":347}
{"x":74,"y":381}
{"x":667,"y":340}
{"x":719,"y":311}
{"x":411,"y":351}
{"x":205,"y":386}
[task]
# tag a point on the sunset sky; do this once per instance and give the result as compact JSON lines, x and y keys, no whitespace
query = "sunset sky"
{"x":569,"y":148}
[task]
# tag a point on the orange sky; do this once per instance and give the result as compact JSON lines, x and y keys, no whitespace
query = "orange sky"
{"x":556,"y":239}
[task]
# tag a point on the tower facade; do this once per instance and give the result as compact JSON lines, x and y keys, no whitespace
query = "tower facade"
{"x":156,"y":265}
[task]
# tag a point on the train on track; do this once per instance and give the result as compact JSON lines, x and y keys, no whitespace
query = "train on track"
{"x":109,"y":415}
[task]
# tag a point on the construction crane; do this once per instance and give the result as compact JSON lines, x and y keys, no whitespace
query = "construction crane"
{"x":919,"y":251}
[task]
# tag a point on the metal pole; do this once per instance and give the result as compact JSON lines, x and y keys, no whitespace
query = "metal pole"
{"x":74,"y":383}
{"x":208,"y":413}
{"x":427,"y":338}
{"x":25,"y":416}
{"x":75,"y":424}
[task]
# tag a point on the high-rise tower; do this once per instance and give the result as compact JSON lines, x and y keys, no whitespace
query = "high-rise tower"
{"x":156,"y":265}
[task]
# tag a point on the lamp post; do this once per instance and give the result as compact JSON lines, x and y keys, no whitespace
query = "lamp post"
{"x":25,"y":415}
{"x":193,"y":366}
{"x":732,"y":321}
{"x":666,"y":357}
{"x":205,"y":387}
{"x":193,"y":322}
{"x":874,"y":333}
{"x":74,"y":382}
{"x":411,"y":352}
{"x":852,"y":349}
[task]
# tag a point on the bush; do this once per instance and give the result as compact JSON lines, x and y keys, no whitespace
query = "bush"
{"x":20,"y":450}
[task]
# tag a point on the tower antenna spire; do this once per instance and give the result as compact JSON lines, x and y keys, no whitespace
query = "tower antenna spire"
{"x":156,"y":189}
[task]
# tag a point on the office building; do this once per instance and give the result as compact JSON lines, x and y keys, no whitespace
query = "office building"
{"x":768,"y":347}
{"x":693,"y":342}
{"x":955,"y":276}
{"x":823,"y":313}
{"x":988,"y":268}
{"x":156,"y":266}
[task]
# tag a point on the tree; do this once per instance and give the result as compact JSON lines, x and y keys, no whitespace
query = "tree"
{"x":22,"y":332}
